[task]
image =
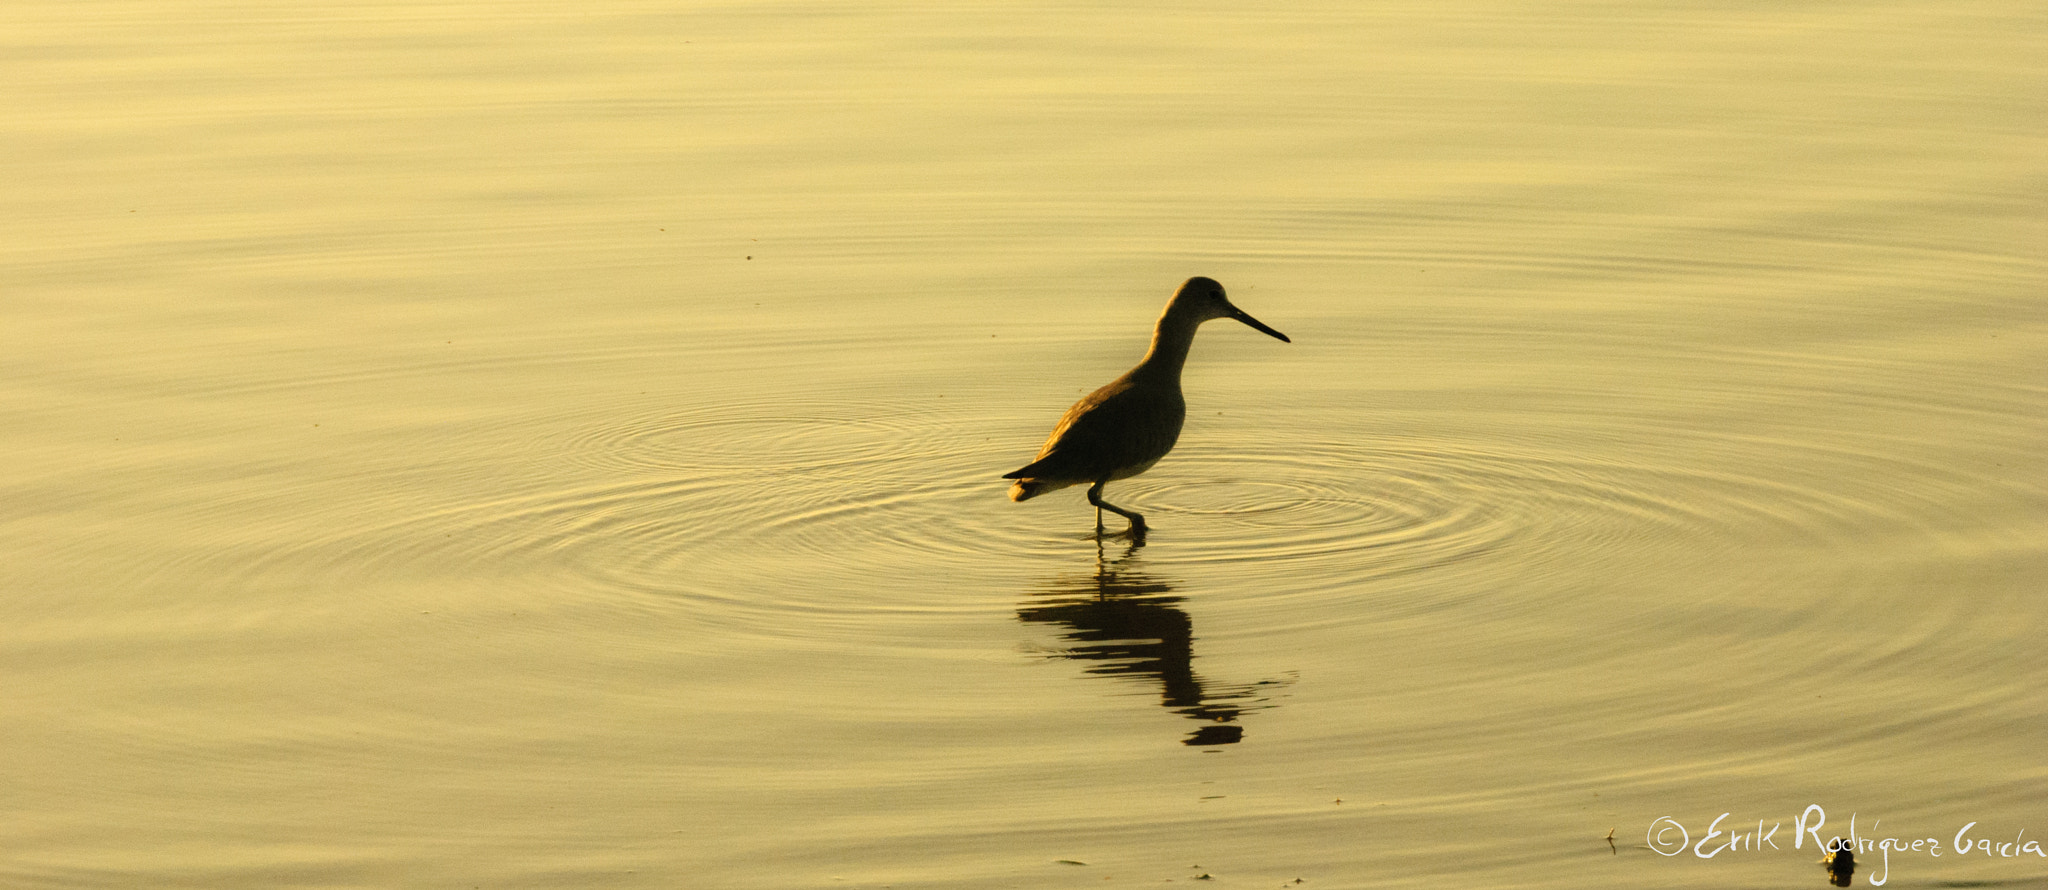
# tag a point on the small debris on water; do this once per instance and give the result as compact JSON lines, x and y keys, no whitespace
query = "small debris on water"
{"x":1841,"y":864}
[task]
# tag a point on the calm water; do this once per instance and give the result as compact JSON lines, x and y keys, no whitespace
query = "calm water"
{"x":489,"y":445}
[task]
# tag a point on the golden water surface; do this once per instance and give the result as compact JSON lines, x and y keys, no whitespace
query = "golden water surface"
{"x":557,"y":445}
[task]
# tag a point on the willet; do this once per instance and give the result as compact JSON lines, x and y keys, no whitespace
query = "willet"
{"x":1124,"y":428}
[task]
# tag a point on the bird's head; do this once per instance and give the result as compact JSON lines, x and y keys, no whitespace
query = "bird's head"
{"x":1202,"y":299}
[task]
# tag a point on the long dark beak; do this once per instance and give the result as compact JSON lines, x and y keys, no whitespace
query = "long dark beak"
{"x":1257,"y":325}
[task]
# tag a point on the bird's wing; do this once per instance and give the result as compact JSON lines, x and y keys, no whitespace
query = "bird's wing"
{"x":1116,"y":426}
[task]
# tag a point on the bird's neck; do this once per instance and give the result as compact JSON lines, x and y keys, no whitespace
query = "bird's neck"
{"x":1169,"y":352}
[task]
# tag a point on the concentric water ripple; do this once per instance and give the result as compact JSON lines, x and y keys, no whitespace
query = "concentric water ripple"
{"x":797,"y":516}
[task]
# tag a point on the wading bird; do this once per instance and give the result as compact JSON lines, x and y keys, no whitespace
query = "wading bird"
{"x":1124,"y":428}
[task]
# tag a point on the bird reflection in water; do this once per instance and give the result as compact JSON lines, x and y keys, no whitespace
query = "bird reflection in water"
{"x":1125,"y":621}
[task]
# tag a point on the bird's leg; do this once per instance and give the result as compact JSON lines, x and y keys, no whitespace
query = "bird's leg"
{"x":1095,"y":497}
